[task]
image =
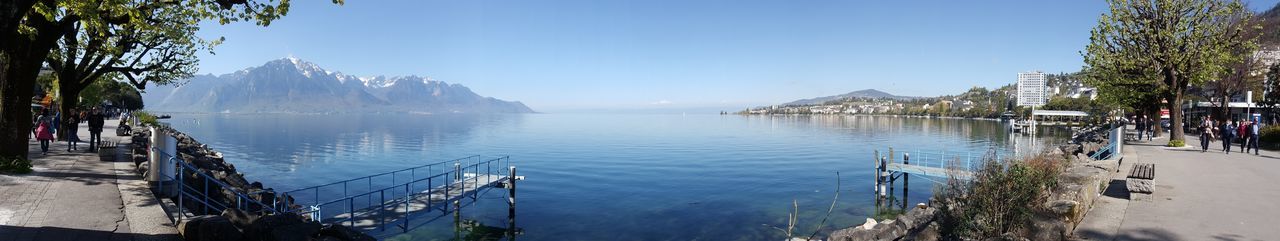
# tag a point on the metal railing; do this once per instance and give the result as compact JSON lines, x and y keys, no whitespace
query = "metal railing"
{"x":200,"y":194}
{"x":412,"y":172}
{"x":374,"y":204}
{"x":1113,"y":141}
{"x":966,"y":160}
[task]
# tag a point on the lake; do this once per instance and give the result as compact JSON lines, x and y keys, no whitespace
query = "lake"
{"x":609,"y":176}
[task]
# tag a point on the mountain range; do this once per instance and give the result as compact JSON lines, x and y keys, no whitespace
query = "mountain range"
{"x":298,"y":86}
{"x":867,"y":93}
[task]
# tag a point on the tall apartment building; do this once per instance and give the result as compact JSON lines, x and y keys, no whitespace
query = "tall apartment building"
{"x":1031,"y":89}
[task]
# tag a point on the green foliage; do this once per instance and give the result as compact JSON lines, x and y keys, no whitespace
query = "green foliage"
{"x":998,"y":199}
{"x":1269,"y":136}
{"x":1176,"y":143}
{"x":1272,"y":85}
{"x":118,"y":93}
{"x":1144,"y":51}
{"x":147,"y":119}
{"x":17,"y":165}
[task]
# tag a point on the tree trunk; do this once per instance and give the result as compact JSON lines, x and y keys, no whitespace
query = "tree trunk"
{"x":1175,"y":117}
{"x":1157,"y":129}
{"x":17,"y":79}
{"x":70,"y":99}
{"x":20,"y":59}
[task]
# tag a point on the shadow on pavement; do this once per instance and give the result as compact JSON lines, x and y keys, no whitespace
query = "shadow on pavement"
{"x":71,"y":234}
{"x":1141,"y":234}
{"x":1117,"y":189}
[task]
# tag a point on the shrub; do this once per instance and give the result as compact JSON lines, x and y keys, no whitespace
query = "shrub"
{"x":1269,"y":136}
{"x":147,"y":119}
{"x":1176,"y":143}
{"x":1001,"y":197}
{"x":15,"y":165}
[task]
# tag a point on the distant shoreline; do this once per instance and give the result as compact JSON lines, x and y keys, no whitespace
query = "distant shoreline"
{"x":887,"y":115}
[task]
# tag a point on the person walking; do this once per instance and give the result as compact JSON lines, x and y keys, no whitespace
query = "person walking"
{"x":95,"y":129}
{"x":1253,"y":135}
{"x":1228,"y":134}
{"x":1206,"y":133}
{"x":73,"y":130}
{"x":1141,"y":124}
{"x":44,"y":131}
{"x":1240,"y":134}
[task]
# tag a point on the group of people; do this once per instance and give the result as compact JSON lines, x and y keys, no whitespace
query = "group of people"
{"x":1230,"y":131}
{"x":1144,"y":127}
{"x":45,"y":127}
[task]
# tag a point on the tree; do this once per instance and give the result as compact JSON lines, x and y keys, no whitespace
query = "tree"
{"x":1271,"y":88}
{"x":155,"y":46}
{"x":30,"y":29}
{"x":1177,"y":43}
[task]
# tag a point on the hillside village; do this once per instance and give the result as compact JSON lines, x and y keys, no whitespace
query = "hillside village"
{"x":977,"y":102}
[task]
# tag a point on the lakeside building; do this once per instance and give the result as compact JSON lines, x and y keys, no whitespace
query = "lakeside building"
{"x":1031,"y":89}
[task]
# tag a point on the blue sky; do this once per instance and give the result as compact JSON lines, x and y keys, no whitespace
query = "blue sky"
{"x":675,"y":54}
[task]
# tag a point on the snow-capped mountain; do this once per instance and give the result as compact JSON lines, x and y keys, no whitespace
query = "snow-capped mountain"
{"x":294,"y":85}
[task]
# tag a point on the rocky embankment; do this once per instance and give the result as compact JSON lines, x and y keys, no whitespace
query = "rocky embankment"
{"x":254,"y":222}
{"x":1079,"y":185}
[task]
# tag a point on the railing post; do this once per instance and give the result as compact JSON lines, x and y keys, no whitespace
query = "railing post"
{"x":906,"y":180}
{"x":511,"y":203}
{"x":206,"y":194}
{"x":351,"y":213}
{"x":407,"y":197}
{"x":181,"y":191}
{"x":382,"y":207}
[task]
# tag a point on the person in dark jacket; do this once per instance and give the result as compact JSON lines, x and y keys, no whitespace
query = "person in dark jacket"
{"x":95,"y":129}
{"x":73,"y":130}
{"x":1228,"y":134}
{"x":1141,"y":125}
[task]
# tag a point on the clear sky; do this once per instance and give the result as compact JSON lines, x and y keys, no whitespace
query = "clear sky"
{"x":671,"y":54}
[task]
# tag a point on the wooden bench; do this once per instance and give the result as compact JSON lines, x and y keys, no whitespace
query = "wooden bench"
{"x":1141,"y":178}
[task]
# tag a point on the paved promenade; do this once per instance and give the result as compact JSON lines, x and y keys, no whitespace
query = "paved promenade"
{"x":1198,"y":196}
{"x":77,"y":196}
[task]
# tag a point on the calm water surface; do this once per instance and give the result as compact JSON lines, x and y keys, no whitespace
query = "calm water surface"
{"x":608,"y":177}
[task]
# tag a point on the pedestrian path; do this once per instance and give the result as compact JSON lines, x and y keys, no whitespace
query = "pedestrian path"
{"x":1198,"y":196}
{"x":77,"y":196}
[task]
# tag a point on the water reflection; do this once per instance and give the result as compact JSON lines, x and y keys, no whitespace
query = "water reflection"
{"x":610,"y":177}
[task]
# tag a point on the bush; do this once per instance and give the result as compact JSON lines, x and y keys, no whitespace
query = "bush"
{"x":15,"y":165}
{"x":1176,"y":143}
{"x":1269,"y":136}
{"x":147,"y":119}
{"x":1001,"y":197}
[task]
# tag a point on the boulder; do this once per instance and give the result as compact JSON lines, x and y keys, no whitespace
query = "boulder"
{"x":218,"y":228}
{"x":189,"y":228}
{"x":870,"y":224}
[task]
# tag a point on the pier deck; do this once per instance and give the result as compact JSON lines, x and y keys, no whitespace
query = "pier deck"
{"x":397,"y":210}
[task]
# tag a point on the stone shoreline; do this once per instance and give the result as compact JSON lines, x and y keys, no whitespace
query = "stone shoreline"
{"x":250,"y":224}
{"x":1080,"y":184}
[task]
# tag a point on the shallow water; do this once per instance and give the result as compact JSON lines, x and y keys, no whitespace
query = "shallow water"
{"x":609,"y":177}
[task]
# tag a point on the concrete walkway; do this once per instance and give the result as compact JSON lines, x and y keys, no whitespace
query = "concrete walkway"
{"x":77,"y":196}
{"x":1198,"y":196}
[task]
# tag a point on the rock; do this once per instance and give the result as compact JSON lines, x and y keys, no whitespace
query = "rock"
{"x":1140,"y":185}
{"x":1046,"y":228}
{"x":189,"y":228}
{"x":241,"y":219}
{"x":218,"y":228}
{"x":344,"y":233}
{"x":870,"y":224}
{"x":1063,"y":207}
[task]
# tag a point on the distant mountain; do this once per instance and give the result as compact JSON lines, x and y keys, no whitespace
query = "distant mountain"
{"x":294,"y":85}
{"x":867,"y":93}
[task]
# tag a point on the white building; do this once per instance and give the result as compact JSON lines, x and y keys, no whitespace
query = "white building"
{"x":1031,"y":90}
